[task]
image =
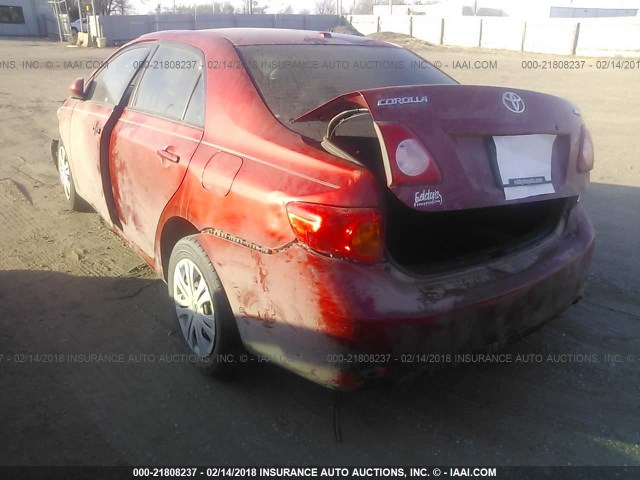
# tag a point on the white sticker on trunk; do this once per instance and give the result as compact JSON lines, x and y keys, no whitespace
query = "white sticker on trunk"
{"x":427,"y":197}
{"x":524,"y":165}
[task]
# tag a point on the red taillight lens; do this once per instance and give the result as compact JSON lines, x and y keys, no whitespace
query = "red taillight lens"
{"x":585,"y":157}
{"x":410,"y":161}
{"x":351,"y":233}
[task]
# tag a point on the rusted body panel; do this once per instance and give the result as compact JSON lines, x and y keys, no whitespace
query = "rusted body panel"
{"x":343,"y":324}
{"x":308,"y":311}
{"x":143,"y":187}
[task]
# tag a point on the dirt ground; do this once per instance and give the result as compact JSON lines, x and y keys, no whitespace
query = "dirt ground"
{"x":70,"y":288}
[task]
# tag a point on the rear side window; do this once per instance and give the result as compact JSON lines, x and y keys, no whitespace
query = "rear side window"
{"x":195,"y":109}
{"x":110,"y":83}
{"x":168,"y":82}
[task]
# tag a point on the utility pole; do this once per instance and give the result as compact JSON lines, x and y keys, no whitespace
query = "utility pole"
{"x":95,"y":18}
{"x":80,"y":16}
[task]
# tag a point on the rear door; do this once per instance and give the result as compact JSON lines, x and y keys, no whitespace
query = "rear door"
{"x":89,"y":126}
{"x":155,"y":138}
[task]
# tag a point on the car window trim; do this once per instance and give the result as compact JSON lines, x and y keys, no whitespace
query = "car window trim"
{"x":105,"y":65}
{"x":137,"y":76}
{"x":165,"y":118}
{"x":193,"y":91}
{"x":134,"y":95}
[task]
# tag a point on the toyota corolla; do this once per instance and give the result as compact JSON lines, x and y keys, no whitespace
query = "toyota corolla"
{"x":332,"y":203}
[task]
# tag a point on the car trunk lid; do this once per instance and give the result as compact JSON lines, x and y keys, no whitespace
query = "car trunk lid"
{"x":491,"y":146}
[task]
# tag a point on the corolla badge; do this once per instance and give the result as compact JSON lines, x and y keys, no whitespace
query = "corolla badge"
{"x":427,"y":197}
{"x":513,"y":102}
{"x":402,"y":100}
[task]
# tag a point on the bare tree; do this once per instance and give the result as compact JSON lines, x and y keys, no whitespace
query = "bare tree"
{"x":180,"y":8}
{"x":253,"y":6}
{"x":219,"y":7}
{"x":111,"y":7}
{"x":103,"y":7}
{"x":259,"y":9}
{"x":325,"y":7}
{"x":363,"y":7}
{"x":286,"y":10}
{"x":120,"y":7}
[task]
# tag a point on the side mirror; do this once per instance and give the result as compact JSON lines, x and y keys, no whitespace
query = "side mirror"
{"x":77,"y":88}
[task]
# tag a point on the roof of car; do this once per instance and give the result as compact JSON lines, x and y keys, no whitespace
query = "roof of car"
{"x":267,"y":36}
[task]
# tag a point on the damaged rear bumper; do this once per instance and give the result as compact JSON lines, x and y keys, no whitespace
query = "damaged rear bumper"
{"x":343,"y":325}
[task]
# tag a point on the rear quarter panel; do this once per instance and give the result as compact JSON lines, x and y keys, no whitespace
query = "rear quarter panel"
{"x":277,"y":165}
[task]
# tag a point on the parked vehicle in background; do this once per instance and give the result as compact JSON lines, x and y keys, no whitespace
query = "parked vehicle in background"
{"x":79,"y":25}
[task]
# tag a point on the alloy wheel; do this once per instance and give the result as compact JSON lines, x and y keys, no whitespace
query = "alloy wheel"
{"x":64,"y":171}
{"x":194,"y":307}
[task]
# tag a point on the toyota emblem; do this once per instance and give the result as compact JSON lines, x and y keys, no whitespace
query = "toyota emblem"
{"x":513,"y":102}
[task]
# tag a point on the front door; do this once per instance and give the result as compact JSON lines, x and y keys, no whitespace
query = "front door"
{"x":154,"y":139}
{"x":91,"y":123}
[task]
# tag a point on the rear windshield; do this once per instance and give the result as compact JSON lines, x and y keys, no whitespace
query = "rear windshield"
{"x":293,"y":79}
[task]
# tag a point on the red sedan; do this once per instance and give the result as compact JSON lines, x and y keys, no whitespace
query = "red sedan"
{"x":332,"y":203}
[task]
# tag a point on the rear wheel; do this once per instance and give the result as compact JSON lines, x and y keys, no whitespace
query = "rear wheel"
{"x":71,"y":197}
{"x":204,"y":317}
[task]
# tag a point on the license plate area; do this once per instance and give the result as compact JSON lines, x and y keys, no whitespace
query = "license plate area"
{"x":523,"y":164}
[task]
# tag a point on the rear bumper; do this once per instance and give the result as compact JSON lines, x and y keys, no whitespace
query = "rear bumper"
{"x":342,"y":324}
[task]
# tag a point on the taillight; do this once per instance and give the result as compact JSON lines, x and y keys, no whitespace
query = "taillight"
{"x":351,"y":233}
{"x":412,"y":158}
{"x":410,"y":162}
{"x":585,"y":157}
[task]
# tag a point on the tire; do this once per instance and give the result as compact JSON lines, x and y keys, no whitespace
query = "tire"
{"x":211,"y":334}
{"x":72,"y":199}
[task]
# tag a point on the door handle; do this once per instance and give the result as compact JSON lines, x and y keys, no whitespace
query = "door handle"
{"x":96,"y":129}
{"x":165,"y":154}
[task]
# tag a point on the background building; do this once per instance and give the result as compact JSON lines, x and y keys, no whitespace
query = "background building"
{"x":26,"y":18}
{"x":19,"y":18}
